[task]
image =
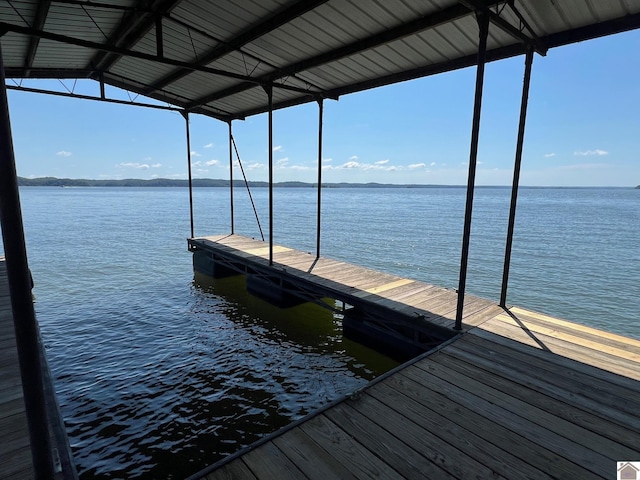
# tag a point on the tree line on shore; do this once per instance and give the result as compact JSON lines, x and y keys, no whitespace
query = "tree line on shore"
{"x":196,"y":182}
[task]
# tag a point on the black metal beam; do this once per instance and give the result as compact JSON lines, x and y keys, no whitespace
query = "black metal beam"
{"x":265,"y":26}
{"x":231,"y":176}
{"x":133,"y":27}
{"x":483,"y":23}
{"x":318,"y":220}
{"x":424,"y":23}
{"x":24,"y":317}
{"x":516,"y":176}
{"x":89,"y":97}
{"x":159,"y":37}
{"x":38,"y":24}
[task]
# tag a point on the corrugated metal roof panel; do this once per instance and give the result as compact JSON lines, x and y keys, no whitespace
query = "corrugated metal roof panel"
{"x":14,"y":49}
{"x":143,"y":71}
{"x":198,"y":84}
{"x":50,"y":55}
{"x":18,"y":12}
{"x":333,"y":47}
{"x":225,"y":18}
{"x":65,"y":18}
{"x":236,"y":62}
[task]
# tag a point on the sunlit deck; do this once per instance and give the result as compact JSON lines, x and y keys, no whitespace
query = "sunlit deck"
{"x":518,"y":394}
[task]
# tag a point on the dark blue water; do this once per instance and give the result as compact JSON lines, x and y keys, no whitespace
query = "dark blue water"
{"x":160,"y":374}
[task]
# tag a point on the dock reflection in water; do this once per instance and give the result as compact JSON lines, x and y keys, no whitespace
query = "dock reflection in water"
{"x":236,"y":370}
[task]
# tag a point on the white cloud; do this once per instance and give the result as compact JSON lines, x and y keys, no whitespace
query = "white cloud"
{"x":382,"y":162}
{"x":156,"y":165}
{"x":413,"y":166}
{"x":141,"y":166}
{"x":63,"y":153}
{"x":591,"y":152}
{"x":432,"y":164}
{"x":255,"y":166}
{"x":196,"y":164}
{"x":277,"y":148}
{"x":353,"y":158}
{"x":208,"y":145}
{"x":195,"y":154}
{"x":549,"y":155}
{"x":352,"y":165}
{"x":212,"y":162}
{"x":283,"y":161}
{"x":327,"y":160}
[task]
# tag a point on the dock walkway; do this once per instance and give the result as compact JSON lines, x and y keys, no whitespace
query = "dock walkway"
{"x":517,"y":395}
{"x":15,"y":454}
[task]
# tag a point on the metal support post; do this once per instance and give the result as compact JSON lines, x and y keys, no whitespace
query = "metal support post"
{"x":269,"y":91}
{"x":516,"y":173}
{"x":24,"y":317}
{"x":231,"y":174}
{"x":186,"y":118}
{"x":320,"y":115}
{"x":483,"y":23}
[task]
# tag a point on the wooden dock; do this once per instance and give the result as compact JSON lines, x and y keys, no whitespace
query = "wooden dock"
{"x":16,"y":462}
{"x":518,"y":394}
{"x":15,"y":454}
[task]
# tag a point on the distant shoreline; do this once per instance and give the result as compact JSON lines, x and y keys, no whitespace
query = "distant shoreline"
{"x":212,"y":182}
{"x":200,"y":182}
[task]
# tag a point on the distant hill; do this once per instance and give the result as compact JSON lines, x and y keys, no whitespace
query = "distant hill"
{"x":197,"y":182}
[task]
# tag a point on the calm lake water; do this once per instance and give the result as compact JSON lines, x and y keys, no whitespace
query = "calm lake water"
{"x":148,"y":359}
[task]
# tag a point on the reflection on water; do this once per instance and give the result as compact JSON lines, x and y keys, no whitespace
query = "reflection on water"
{"x":232,"y":370}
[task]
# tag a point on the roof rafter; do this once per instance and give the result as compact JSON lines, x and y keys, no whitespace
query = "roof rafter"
{"x":133,"y":27}
{"x":38,"y":24}
{"x":424,"y":23}
{"x":265,"y":26}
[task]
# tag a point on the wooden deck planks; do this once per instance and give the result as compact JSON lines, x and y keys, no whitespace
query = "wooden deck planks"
{"x":589,"y":356}
{"x":483,"y":406}
{"x":518,"y":395}
{"x":15,"y":454}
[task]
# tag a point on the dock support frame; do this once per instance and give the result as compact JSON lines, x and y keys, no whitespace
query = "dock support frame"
{"x":516,"y":174}
{"x":319,"y":218}
{"x":24,"y":317}
{"x":186,"y":118}
{"x":483,"y":22}
{"x":231,"y":177}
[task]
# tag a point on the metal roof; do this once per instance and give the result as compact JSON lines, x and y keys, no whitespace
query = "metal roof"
{"x":216,"y":57}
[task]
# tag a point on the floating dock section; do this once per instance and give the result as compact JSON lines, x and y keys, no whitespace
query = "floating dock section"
{"x":516,"y":394}
{"x":398,"y":315}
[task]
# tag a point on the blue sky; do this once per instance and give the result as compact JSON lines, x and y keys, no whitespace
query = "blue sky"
{"x":583,"y":129}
